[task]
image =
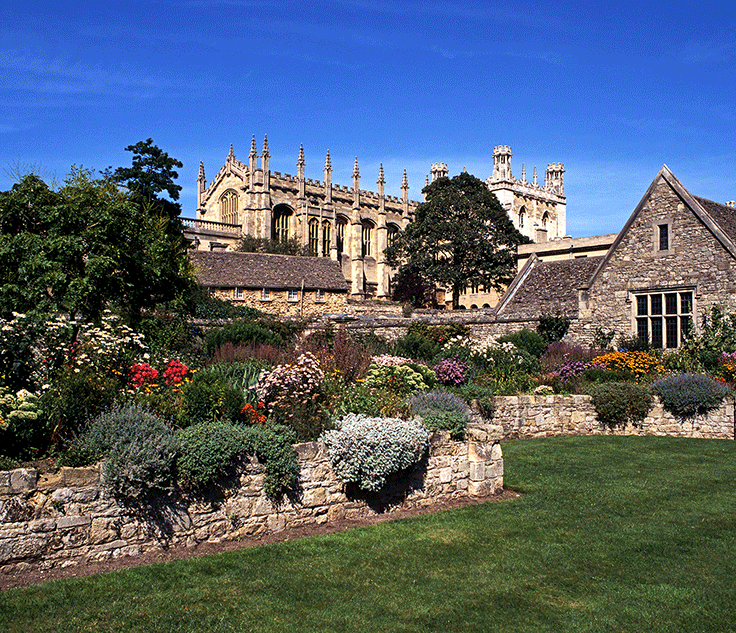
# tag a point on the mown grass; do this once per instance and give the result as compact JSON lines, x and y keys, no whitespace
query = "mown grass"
{"x":612,"y":534}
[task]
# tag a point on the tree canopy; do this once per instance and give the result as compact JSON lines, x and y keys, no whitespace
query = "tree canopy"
{"x":461,"y":236}
{"x":152,"y":173}
{"x":84,"y":248}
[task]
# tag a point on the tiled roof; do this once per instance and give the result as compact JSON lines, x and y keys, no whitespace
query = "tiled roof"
{"x":549,"y":287}
{"x":723,"y":215}
{"x":230,"y":269}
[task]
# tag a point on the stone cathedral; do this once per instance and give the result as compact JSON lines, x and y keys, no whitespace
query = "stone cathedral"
{"x":344,"y":222}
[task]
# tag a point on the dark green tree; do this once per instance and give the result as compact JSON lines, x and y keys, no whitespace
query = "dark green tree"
{"x":85,"y":248}
{"x":152,"y":174}
{"x":461,"y":236}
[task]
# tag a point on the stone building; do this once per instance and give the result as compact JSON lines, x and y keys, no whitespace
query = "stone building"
{"x":277,"y":284}
{"x":674,"y":259}
{"x":346,"y":223}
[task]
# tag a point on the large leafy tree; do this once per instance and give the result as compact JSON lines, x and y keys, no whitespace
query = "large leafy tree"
{"x":460,"y":236}
{"x":85,"y":248}
{"x":150,"y":179}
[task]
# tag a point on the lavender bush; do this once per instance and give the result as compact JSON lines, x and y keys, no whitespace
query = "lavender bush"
{"x":441,"y":410}
{"x":689,"y":394}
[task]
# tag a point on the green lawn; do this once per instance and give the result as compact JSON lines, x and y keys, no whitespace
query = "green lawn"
{"x":612,"y":534}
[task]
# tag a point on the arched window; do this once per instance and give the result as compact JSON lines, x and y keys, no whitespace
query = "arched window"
{"x":393,"y":232}
{"x":229,"y":207}
{"x":545,"y":220}
{"x":367,"y":238}
{"x":522,"y":217}
{"x":313,"y":237}
{"x":326,"y":244}
{"x":281,"y":221}
{"x":340,"y":235}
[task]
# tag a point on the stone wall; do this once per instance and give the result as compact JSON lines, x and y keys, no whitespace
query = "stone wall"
{"x":544,"y":416}
{"x":68,"y":519}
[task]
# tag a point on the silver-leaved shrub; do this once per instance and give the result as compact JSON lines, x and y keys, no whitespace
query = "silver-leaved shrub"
{"x":365,"y":451}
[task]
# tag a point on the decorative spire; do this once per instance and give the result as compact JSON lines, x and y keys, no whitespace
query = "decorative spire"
{"x":231,"y":153}
{"x":404,"y":181}
{"x":201,"y":168}
{"x":253,"y":151}
{"x":534,"y":178}
{"x":265,"y":147}
{"x":381,"y":180}
{"x":356,"y":172}
{"x":523,"y":172}
{"x":328,"y":162}
{"x":300,"y":162}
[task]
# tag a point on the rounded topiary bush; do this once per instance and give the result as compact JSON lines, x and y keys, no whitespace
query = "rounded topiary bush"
{"x":366,"y":451}
{"x":139,"y":450}
{"x":689,"y":394}
{"x":621,"y":402}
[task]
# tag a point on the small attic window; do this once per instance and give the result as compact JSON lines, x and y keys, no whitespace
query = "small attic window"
{"x":238,"y":293}
{"x":293,"y":296}
{"x":266,"y":294}
{"x":320,"y":295}
{"x":663,"y":232}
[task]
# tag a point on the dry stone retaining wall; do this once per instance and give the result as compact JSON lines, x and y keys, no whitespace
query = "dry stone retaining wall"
{"x":544,"y":416}
{"x":68,"y":518}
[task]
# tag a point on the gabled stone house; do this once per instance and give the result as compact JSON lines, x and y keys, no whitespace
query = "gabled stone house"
{"x":276,"y":284}
{"x":674,"y":259}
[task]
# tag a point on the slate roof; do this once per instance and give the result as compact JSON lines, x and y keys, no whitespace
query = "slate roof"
{"x":547,"y":287}
{"x":723,"y":215}
{"x":230,"y":269}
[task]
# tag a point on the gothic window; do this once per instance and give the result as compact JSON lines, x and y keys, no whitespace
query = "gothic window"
{"x":313,"y":237}
{"x":229,"y":207}
{"x":664,"y":319}
{"x":522,"y":217}
{"x":393,"y":232}
{"x":326,"y":244}
{"x":281,"y":223}
{"x":367,"y":238}
{"x":340,"y":231}
{"x":545,"y":220}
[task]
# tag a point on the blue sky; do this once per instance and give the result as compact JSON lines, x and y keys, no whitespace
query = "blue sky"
{"x":612,"y":90}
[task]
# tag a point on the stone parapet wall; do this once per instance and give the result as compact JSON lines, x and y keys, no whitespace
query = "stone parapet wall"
{"x":68,"y":518}
{"x":545,"y":416}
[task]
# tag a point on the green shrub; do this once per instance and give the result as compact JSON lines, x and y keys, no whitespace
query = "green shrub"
{"x":209,"y":397}
{"x":139,"y":450}
{"x":74,"y":397}
{"x":526,"y":340}
{"x":415,"y":346}
{"x":552,"y":327}
{"x":243,"y":333}
{"x":207,"y":450}
{"x":8,"y":463}
{"x":402,"y":379}
{"x":366,"y":451}
{"x":621,"y":402}
{"x":690,"y":394}
{"x":441,"y":410}
{"x":77,"y":453}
